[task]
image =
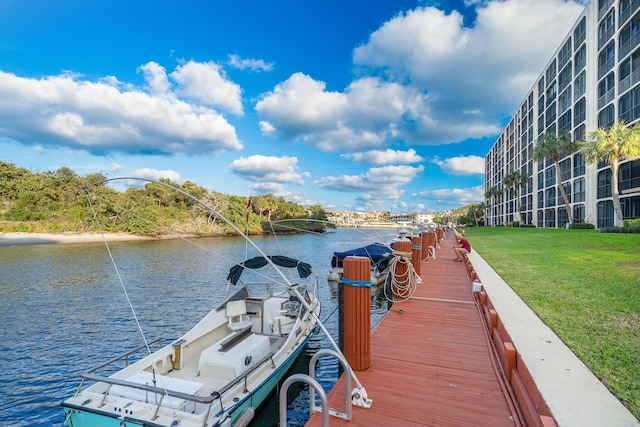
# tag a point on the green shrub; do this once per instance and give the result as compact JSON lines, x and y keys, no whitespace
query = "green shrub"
{"x":582,"y":226}
{"x":632,"y":223}
{"x":627,"y":230}
{"x":515,"y":224}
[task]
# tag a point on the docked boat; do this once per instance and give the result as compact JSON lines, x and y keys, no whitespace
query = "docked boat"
{"x":379,"y":254}
{"x":219,"y":372}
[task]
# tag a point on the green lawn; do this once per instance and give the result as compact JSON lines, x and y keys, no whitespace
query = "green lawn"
{"x":584,"y":285}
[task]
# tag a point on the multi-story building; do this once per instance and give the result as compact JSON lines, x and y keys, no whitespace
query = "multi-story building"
{"x":592,"y":80}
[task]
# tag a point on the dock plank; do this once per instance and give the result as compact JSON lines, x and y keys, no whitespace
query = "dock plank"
{"x":431,"y":364}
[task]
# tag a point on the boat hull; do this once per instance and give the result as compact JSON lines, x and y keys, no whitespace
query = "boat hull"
{"x":80,"y":417}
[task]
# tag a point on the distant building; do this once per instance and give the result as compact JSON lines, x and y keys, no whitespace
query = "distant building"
{"x":376,"y":219}
{"x":591,"y":81}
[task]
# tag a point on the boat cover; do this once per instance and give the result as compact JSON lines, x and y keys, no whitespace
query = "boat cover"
{"x":304,"y":269}
{"x":377,"y":252}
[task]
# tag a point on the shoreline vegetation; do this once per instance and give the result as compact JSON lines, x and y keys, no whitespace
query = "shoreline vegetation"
{"x":62,"y":201}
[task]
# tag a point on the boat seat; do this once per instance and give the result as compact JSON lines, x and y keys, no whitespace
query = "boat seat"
{"x":237,"y":314}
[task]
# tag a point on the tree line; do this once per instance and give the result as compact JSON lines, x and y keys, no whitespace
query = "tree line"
{"x":63,"y":201}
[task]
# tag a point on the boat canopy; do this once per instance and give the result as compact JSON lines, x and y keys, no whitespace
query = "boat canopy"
{"x":304,"y":269}
{"x":375,"y":251}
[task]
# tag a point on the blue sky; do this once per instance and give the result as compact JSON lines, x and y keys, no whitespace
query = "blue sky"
{"x":355,"y":105}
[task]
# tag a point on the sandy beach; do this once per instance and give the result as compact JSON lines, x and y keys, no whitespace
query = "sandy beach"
{"x":15,"y":239}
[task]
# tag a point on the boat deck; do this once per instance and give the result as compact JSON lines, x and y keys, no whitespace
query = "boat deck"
{"x":431,"y":360}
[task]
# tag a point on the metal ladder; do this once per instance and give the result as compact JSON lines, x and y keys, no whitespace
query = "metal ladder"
{"x":314,"y":386}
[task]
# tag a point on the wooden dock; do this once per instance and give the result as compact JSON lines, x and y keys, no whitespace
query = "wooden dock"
{"x":432,"y":362}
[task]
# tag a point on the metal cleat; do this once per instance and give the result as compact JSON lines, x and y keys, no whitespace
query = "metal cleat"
{"x":359,"y":398}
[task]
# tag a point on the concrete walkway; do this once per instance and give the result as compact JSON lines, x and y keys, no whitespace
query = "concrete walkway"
{"x":574,"y":395}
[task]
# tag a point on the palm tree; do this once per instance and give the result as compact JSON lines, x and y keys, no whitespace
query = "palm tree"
{"x":492,"y":193}
{"x":612,"y":146}
{"x":550,"y":145}
{"x":515,"y":180}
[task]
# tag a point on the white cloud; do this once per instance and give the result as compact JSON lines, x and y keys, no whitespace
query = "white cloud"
{"x":300,"y":106}
{"x":252,"y":64}
{"x":155,"y":174}
{"x":267,"y":169}
{"x":101,"y":118}
{"x":386,"y":179}
{"x":486,"y":69}
{"x":385,"y":157}
{"x":115,"y":167}
{"x":436,"y":80}
{"x":462,"y":165}
{"x":156,"y":77}
{"x":453,"y":197}
{"x":206,"y":83}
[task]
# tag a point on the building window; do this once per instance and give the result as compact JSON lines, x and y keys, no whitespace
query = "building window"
{"x":550,"y":115}
{"x":604,"y":184}
{"x":580,"y":33}
{"x":540,"y":219}
{"x":629,"y":106}
{"x":565,"y":53}
{"x":606,"y":29}
{"x":567,"y":191}
{"x":630,"y":207}
{"x":629,"y":176}
{"x":565,"y":100}
{"x":580,"y":59}
{"x":605,"y":214}
{"x":549,"y":177}
{"x":578,"y":165}
{"x":551,"y":72}
{"x":565,"y":77}
{"x":628,"y":39}
{"x":625,"y":7}
{"x":540,"y":200}
{"x":606,"y":59}
{"x":579,"y":133}
{"x":540,"y":180}
{"x":565,"y":169}
{"x":563,"y":218}
{"x":580,"y":111}
{"x":550,"y":197}
{"x":580,"y":86}
{"x":564,"y":122}
{"x":578,"y":214}
{"x":579,"y":190}
{"x":603,"y":6}
{"x":551,"y":93}
{"x":550,"y":218}
{"x":606,"y":90}
{"x":606,"y":117}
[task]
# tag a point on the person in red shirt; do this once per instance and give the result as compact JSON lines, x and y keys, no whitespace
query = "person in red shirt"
{"x":463,"y":247}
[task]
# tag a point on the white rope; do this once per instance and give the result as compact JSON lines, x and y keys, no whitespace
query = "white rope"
{"x":402,"y":286}
{"x":126,"y":294}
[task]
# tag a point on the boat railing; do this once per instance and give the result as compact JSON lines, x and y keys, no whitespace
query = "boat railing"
{"x":124,"y":356}
{"x":204,"y":400}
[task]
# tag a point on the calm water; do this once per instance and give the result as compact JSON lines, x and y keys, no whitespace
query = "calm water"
{"x":63,"y":310}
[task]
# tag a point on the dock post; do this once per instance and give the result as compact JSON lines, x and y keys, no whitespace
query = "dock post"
{"x":356,"y":297}
{"x":416,"y":253}
{"x":400,"y":274}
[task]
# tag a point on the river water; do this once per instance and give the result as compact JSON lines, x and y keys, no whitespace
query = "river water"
{"x":63,"y":310}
